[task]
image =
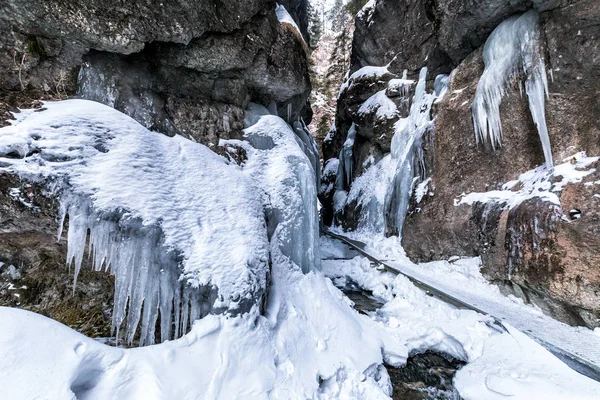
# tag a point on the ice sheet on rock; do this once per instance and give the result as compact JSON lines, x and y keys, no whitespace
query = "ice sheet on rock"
{"x":136,"y":192}
{"x":407,"y":153}
{"x":287,"y":176}
{"x":383,"y":191}
{"x":309,"y":147}
{"x":512,"y":51}
{"x":253,"y":113}
{"x":369,"y":191}
{"x":379,"y":103}
{"x":344,"y":175}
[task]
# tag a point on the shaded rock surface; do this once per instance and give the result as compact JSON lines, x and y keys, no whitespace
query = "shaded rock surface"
{"x":176,"y":67}
{"x":537,"y":250}
{"x":33,"y":268}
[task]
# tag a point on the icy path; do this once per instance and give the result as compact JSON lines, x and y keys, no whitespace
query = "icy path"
{"x":499,"y":363}
{"x":464,"y":282}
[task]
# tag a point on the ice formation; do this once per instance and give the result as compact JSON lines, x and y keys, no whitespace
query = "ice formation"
{"x":135,"y":192}
{"x":383,"y":191}
{"x":407,"y":154}
{"x":284,"y":163}
{"x":512,"y":51}
{"x":344,"y":175}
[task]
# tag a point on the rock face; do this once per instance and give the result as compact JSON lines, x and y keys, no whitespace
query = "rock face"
{"x":179,"y":67}
{"x":33,"y":268}
{"x":541,"y":251}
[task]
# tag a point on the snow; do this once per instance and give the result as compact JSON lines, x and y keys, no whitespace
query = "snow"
{"x":305,"y":342}
{"x":512,"y":51}
{"x":368,"y":72}
{"x":284,"y":171}
{"x":285,"y":18}
{"x":537,"y":183}
{"x":380,"y":104}
{"x":499,"y":363}
{"x":422,"y":189}
{"x":142,"y":215}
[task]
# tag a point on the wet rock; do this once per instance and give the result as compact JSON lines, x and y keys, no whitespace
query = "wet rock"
{"x":426,"y":376}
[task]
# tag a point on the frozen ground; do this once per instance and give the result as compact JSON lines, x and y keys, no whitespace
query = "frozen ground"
{"x":463,"y":280}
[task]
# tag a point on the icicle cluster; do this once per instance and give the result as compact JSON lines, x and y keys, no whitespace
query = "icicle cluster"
{"x":512,"y":51}
{"x":309,"y":147}
{"x":146,"y":275}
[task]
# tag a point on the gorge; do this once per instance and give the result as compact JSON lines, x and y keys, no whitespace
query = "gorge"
{"x":166,"y":186}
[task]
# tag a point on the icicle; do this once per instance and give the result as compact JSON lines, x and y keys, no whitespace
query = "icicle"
{"x":309,"y":146}
{"x":511,"y":51}
{"x":146,"y":275}
{"x":94,"y":85}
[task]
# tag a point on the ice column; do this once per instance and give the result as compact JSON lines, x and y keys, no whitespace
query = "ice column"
{"x":344,"y":175}
{"x":512,"y":51}
{"x":406,"y":151}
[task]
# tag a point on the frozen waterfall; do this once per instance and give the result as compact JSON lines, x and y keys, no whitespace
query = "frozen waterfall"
{"x":344,"y":175}
{"x":512,"y":51}
{"x":284,"y":163}
{"x":383,"y":190}
{"x":407,"y":153}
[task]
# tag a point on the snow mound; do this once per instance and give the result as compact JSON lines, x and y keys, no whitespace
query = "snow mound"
{"x":368,"y":72}
{"x":379,"y":103}
{"x":159,"y":211}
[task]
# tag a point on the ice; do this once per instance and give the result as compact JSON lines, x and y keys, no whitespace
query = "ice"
{"x":135,"y":192}
{"x":309,"y":147}
{"x":94,"y":85}
{"x":512,"y":51}
{"x":344,"y":176}
{"x":407,"y":154}
{"x":287,"y":172}
{"x":383,"y":191}
{"x":253,"y":113}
